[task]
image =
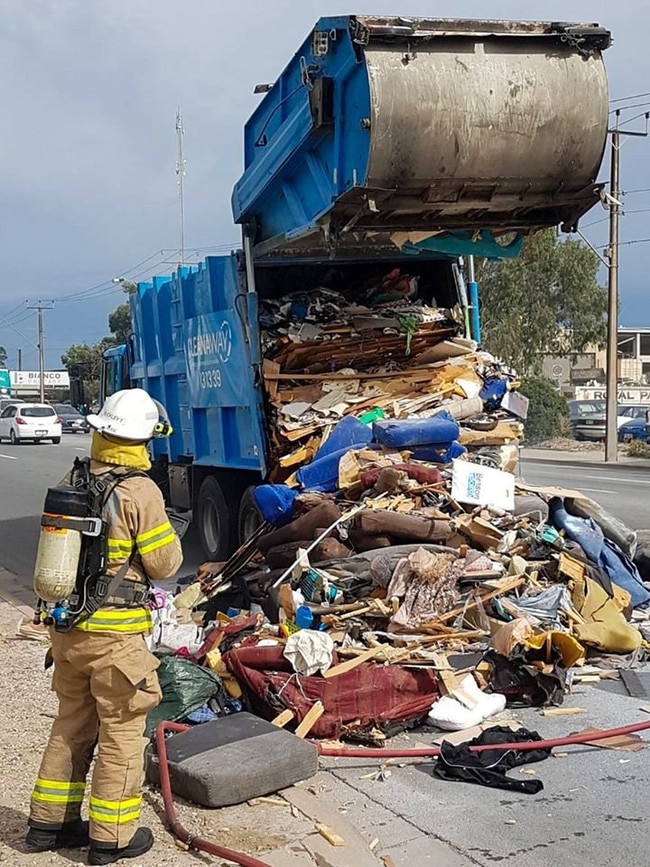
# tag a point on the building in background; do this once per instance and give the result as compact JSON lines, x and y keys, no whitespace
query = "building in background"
{"x":589,"y":369}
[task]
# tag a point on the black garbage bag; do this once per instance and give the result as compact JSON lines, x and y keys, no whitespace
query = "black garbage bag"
{"x":185,"y":686}
{"x":489,"y":767}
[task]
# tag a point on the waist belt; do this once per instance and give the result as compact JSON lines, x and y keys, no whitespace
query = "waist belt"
{"x":127,"y":594}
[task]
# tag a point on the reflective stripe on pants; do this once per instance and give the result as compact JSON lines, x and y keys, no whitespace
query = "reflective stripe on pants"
{"x":115,"y":812}
{"x":106,"y":684}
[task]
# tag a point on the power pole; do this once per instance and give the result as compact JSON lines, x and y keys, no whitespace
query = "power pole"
{"x":41,"y":346}
{"x":611,"y":425}
{"x":180,"y":174}
{"x":611,"y":408}
{"x":20,"y":359}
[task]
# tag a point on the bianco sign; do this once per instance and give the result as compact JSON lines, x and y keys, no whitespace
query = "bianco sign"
{"x":633,"y":394}
{"x":32,"y":379}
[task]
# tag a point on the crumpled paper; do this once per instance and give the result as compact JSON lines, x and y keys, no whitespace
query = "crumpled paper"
{"x":309,"y":651}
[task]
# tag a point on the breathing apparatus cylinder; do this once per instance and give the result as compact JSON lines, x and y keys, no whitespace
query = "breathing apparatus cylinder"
{"x":65,"y":514}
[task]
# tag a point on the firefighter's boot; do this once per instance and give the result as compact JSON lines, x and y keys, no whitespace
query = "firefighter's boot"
{"x":106,"y":853}
{"x":70,"y":835}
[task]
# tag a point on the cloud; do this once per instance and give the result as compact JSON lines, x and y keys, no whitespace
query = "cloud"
{"x":87,"y":142}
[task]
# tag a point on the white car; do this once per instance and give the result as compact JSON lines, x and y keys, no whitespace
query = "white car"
{"x":30,"y":421}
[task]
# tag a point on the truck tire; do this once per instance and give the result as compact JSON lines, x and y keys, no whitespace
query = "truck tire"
{"x":249,"y":518}
{"x":214,"y":522}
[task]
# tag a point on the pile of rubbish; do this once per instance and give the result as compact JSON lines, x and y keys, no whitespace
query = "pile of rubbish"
{"x":393,"y":357}
{"x":402,"y":573}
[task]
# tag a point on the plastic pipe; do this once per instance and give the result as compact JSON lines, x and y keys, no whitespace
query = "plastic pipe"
{"x":432,"y":752}
{"x":472,"y":290}
{"x":179,"y":830}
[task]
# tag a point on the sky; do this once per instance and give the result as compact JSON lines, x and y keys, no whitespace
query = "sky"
{"x":88,"y":147}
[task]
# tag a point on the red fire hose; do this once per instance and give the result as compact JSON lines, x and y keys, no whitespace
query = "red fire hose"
{"x":432,"y":752}
{"x":350,"y":753}
{"x":175,"y":826}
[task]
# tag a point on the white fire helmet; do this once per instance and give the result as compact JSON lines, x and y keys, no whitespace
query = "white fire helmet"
{"x":131,"y":415}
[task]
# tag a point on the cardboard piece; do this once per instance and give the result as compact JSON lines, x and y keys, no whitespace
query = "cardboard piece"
{"x":516,"y":403}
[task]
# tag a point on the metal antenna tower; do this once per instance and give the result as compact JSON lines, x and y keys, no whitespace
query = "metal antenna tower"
{"x":180,"y":174}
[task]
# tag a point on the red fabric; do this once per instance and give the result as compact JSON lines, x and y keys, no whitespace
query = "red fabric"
{"x":224,"y":631}
{"x":419,"y":472}
{"x":369,"y":695}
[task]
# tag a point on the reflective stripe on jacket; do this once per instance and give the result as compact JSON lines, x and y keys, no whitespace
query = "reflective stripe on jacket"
{"x":137,"y":528}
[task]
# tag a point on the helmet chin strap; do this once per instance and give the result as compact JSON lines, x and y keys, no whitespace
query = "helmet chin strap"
{"x":120,"y":441}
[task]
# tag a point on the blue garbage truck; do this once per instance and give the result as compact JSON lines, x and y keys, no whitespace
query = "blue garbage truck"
{"x":385,"y":143}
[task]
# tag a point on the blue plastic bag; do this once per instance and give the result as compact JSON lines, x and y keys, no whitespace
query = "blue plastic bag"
{"x":493,"y":393}
{"x":275,"y":503}
{"x":322,"y":474}
{"x":439,"y":430}
{"x":348,"y":434}
{"x":440,"y":453}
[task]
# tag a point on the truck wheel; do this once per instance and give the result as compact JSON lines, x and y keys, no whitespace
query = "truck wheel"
{"x":249,"y":516}
{"x":214,"y":521}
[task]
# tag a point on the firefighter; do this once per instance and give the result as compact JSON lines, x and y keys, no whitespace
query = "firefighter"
{"x":104,"y":675}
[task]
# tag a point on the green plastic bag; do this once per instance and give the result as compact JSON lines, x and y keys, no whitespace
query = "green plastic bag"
{"x":185,"y":687}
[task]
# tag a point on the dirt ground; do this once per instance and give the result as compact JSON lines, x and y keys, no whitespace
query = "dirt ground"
{"x":26,"y":712}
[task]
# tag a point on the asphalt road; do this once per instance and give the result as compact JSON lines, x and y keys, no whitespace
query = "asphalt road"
{"x":624,"y":491}
{"x":592,"y":810}
{"x":27,"y":471}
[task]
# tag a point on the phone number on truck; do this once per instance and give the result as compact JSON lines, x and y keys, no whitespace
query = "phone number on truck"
{"x":210,"y":378}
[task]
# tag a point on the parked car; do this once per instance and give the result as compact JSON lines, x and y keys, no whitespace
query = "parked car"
{"x":72,"y":421}
{"x":593,"y":427}
{"x":581,"y":409}
{"x":30,"y":421}
{"x":634,"y":429}
{"x":9,"y":401}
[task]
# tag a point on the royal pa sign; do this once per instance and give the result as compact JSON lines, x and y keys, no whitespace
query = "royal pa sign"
{"x":31,"y":380}
{"x":634,"y":394}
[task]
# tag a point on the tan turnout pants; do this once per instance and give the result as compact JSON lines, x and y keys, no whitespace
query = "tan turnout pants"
{"x":106,"y":684}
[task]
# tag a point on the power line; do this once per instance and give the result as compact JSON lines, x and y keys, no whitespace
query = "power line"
{"x":624,"y":213}
{"x":627,"y":243}
{"x":21,"y":319}
{"x":627,"y":107}
{"x":17,"y":330}
{"x":99,"y":289}
{"x":15,"y":309}
{"x":73,"y":295}
{"x":634,"y":96}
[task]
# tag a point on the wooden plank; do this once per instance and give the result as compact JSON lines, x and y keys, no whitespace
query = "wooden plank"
{"x":335,"y":377}
{"x":351,"y":664}
{"x":631,"y":743}
{"x":448,"y":680}
{"x":571,"y":567}
{"x":311,"y":718}
{"x":330,"y":835}
{"x":283,"y":718}
{"x":563,"y":711}
{"x":270,"y":368}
